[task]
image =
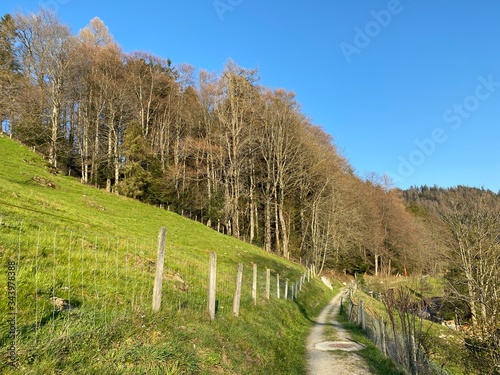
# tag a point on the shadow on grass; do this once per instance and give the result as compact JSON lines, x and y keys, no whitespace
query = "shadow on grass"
{"x":30,"y":329}
{"x":303,"y":311}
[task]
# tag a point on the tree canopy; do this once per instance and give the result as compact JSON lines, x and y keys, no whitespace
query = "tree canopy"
{"x":220,"y":146}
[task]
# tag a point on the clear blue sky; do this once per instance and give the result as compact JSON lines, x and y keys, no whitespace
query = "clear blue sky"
{"x":410,"y":88}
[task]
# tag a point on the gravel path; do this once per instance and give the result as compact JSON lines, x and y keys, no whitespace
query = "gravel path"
{"x":333,"y":357}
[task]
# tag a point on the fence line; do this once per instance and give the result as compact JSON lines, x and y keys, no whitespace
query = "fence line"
{"x":389,"y":341}
{"x":69,"y":282}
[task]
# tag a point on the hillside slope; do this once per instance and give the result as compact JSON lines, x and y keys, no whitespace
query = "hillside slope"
{"x":84,"y":263}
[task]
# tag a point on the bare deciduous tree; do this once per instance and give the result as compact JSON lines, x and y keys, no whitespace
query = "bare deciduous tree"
{"x":473,"y":219}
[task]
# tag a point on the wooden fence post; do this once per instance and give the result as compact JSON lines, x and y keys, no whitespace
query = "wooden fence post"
{"x":278,"y":285}
{"x":212,"y":284}
{"x":358,"y":317}
{"x":254,"y":284}
{"x":286,"y":289}
{"x":160,"y":261}
{"x":268,"y":283}
{"x":382,"y":336}
{"x":237,"y":293}
{"x":362,"y":321}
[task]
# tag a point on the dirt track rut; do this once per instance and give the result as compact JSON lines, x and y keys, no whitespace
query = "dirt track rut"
{"x":323,"y":359}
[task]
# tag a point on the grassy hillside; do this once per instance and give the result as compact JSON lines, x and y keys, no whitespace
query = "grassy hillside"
{"x":97,"y":252}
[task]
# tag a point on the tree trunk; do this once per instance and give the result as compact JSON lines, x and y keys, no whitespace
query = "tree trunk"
{"x":95,"y":153}
{"x":116,"y":162}
{"x":251,"y":205}
{"x":276,"y":226}
{"x":284,"y":229}
{"x":56,"y":91}
{"x":267,"y":224}
{"x":109,"y":165}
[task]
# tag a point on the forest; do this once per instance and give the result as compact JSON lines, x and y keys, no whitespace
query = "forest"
{"x":240,"y":157}
{"x":220,"y":147}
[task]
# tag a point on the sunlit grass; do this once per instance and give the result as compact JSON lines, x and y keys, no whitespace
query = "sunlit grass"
{"x":97,"y":251}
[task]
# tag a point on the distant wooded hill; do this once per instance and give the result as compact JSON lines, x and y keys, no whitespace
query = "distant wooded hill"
{"x":465,"y":223}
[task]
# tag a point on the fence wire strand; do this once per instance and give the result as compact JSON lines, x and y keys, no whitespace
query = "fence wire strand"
{"x":388,"y":340}
{"x":69,"y":282}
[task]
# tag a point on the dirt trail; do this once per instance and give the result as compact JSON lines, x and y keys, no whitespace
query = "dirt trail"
{"x":333,"y":357}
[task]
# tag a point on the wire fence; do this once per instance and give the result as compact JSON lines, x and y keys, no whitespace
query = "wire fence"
{"x":59,"y":282}
{"x":402,"y":349}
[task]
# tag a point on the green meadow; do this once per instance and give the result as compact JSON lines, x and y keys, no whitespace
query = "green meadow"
{"x":85,"y":263}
